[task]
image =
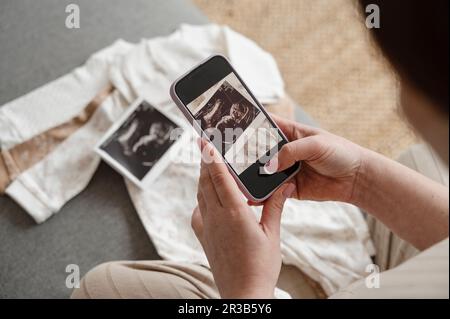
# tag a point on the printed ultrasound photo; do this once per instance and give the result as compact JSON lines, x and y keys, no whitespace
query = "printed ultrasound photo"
{"x":141,"y":140}
{"x":227,"y":108}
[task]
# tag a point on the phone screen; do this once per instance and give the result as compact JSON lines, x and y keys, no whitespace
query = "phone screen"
{"x":235,"y":123}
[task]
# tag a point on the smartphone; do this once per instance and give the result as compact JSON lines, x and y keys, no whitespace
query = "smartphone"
{"x":222,"y":109}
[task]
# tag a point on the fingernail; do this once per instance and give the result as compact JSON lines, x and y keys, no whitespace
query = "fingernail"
{"x":271,"y":166}
{"x":289,"y":190}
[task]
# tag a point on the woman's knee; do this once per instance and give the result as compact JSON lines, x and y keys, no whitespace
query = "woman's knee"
{"x":98,"y":283}
{"x":146,"y":279}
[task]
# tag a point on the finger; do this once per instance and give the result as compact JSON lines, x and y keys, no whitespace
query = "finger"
{"x":273,"y":207}
{"x":251,"y":203}
{"x":207,"y":189}
{"x":197,"y":223}
{"x":294,"y":130}
{"x":201,"y":203}
{"x":226,"y":188}
{"x":304,"y":149}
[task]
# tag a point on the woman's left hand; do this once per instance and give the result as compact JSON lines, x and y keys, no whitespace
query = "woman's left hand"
{"x":244,"y":253}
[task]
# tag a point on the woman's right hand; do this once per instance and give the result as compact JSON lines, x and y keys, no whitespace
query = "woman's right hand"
{"x":331,"y":164}
{"x":339,"y":170}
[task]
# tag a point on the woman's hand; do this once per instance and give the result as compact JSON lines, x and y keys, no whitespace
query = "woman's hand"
{"x":330,"y":163}
{"x":244,"y":253}
{"x":337,"y":169}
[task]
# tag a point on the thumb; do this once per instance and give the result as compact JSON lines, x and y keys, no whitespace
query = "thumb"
{"x":273,"y":207}
{"x":303,"y":149}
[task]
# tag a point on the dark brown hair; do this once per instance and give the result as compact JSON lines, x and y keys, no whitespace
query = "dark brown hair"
{"x":414,"y":37}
